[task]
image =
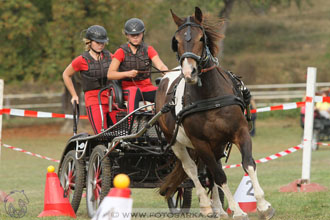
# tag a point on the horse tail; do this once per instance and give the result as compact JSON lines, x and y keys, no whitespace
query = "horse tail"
{"x":173,"y":180}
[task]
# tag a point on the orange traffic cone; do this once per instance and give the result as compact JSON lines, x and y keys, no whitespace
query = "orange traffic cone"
{"x":244,"y":195}
{"x":4,"y":196}
{"x":117,"y":204}
{"x":55,"y":202}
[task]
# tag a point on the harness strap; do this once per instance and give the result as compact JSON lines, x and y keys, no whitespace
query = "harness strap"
{"x":208,"y":69}
{"x":208,"y":104}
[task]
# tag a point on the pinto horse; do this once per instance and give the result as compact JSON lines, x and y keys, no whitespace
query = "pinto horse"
{"x":208,"y":115}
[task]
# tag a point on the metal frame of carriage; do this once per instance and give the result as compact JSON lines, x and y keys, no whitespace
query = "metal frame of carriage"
{"x":321,"y":129}
{"x":134,"y":145}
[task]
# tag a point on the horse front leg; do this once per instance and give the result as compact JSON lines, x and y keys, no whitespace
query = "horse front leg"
{"x":190,"y":168}
{"x":219,"y":176}
{"x":217,"y":206}
{"x":265,"y":209}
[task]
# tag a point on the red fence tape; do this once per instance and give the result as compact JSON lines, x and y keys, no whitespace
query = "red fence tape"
{"x":30,"y":153}
{"x":38,"y":114}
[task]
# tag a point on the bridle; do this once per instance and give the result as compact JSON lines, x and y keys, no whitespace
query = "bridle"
{"x":206,"y":54}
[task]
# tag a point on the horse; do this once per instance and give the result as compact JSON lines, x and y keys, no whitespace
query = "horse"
{"x":207,"y":115}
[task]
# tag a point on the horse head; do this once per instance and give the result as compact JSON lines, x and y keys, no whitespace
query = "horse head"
{"x":206,"y":118}
{"x":191,"y":42}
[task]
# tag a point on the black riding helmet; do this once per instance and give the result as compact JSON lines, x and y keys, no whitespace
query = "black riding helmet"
{"x":134,"y":26}
{"x":97,"y":33}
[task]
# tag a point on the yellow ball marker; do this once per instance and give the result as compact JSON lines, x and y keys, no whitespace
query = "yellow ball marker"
{"x":121,"y":181}
{"x":51,"y":169}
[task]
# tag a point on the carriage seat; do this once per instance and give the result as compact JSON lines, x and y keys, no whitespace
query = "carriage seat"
{"x":116,"y":96}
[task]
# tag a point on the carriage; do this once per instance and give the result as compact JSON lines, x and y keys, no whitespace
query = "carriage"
{"x":321,"y":128}
{"x":206,"y":117}
{"x":134,"y":145}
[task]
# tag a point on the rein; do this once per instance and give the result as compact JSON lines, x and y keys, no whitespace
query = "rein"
{"x":166,"y":71}
{"x":208,"y":69}
{"x":157,"y":71}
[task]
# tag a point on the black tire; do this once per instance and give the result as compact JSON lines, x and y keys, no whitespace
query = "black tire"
{"x":72,"y":178}
{"x":315,"y":140}
{"x":98,"y":179}
{"x":180,"y":202}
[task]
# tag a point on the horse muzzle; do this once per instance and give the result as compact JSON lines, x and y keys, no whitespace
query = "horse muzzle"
{"x":189,"y":71}
{"x":192,"y":78}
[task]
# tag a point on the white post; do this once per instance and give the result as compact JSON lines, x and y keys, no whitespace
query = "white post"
{"x":308,"y":126}
{"x":1,"y":106}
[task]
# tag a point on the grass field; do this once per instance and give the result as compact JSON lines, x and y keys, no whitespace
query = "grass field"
{"x":19,"y":171}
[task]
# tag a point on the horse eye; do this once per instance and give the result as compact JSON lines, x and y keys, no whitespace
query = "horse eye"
{"x":202,"y":39}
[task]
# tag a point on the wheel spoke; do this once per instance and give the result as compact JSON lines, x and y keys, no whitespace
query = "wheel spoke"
{"x":94,"y":168}
{"x":98,"y":187}
{"x":69,"y":167}
{"x":96,"y":193}
{"x":73,"y":165}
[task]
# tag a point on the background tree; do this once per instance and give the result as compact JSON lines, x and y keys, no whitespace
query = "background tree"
{"x":21,"y":26}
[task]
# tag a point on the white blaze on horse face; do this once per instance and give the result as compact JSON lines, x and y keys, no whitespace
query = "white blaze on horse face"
{"x":188,"y":68}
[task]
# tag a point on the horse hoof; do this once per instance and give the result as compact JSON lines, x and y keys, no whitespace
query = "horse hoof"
{"x":224,"y":216}
{"x":220,"y":214}
{"x":207,"y":211}
{"x":268,"y":214}
{"x":242,"y":217}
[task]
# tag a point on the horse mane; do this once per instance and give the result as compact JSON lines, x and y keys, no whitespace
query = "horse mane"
{"x":213,"y":26}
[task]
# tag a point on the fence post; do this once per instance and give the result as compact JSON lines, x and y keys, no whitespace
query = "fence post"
{"x":1,"y":106}
{"x":308,"y":125}
{"x":304,"y":184}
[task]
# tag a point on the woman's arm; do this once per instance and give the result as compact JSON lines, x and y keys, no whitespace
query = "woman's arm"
{"x":113,"y":73}
{"x":159,"y":63}
{"x":67,"y":78}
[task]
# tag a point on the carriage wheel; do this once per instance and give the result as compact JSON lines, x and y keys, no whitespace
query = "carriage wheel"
{"x":72,"y":178}
{"x":315,"y":140}
{"x":98,"y":179}
{"x":180,"y":202}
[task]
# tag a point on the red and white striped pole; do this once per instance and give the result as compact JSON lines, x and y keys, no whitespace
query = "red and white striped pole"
{"x":1,"y":103}
{"x":308,"y":126}
{"x":304,"y":184}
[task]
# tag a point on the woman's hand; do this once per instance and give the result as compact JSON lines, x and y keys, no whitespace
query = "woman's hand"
{"x":74,"y":98}
{"x":132,"y":73}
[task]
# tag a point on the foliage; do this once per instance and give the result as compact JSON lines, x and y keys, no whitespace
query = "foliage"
{"x":40,"y":38}
{"x":21,"y":31}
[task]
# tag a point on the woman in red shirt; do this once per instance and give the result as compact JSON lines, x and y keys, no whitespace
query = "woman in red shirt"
{"x":131,"y":65}
{"x":93,"y":66}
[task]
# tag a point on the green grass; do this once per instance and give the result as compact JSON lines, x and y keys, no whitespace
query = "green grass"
{"x":19,"y":171}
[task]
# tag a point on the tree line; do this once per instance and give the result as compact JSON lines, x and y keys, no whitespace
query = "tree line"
{"x":40,"y":38}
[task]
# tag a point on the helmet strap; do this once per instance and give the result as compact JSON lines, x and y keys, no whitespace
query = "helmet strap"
{"x":98,"y":53}
{"x":134,"y":45}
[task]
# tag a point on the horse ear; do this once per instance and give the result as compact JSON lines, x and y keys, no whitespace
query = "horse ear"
{"x":198,"y":14}
{"x":178,"y":21}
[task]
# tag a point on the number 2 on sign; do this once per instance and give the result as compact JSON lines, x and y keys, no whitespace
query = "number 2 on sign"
{"x":249,"y":192}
